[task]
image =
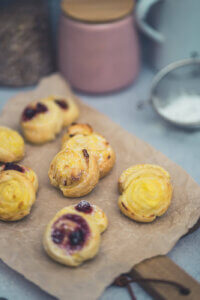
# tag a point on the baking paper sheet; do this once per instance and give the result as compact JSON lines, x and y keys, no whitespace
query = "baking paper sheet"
{"x":126,"y":242}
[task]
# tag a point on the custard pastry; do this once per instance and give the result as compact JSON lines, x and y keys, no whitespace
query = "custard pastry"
{"x":41,"y":121}
{"x":72,"y":236}
{"x":82,"y":135}
{"x":75,"y":172}
{"x":17,"y":195}
{"x":146,"y":192}
{"x":11,"y":145}
{"x":27,"y":172}
{"x":68,"y":108}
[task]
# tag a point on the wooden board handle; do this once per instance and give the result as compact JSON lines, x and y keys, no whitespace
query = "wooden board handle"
{"x":162,"y":267}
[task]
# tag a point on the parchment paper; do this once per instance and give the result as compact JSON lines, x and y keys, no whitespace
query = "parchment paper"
{"x":125,"y":243}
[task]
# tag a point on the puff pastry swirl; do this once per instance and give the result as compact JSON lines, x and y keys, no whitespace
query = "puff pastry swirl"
{"x":11,"y":145}
{"x":75,"y":172}
{"x":26,"y":171}
{"x":73,"y":235}
{"x":17,"y":195}
{"x":68,"y":108}
{"x":41,"y":121}
{"x":146,"y":192}
{"x":82,"y":135}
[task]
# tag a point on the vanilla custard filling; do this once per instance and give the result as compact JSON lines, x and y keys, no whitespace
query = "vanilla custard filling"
{"x":146,"y":195}
{"x":11,"y":141}
{"x":14,"y":195}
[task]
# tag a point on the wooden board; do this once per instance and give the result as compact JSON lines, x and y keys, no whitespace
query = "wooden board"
{"x":162,"y":267}
{"x":97,"y":11}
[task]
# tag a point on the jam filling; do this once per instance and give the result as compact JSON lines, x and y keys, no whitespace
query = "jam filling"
{"x":30,"y":112}
{"x":70,"y":232}
{"x":58,"y":236}
{"x":84,"y":206}
{"x":11,"y":166}
{"x":62,"y":103}
{"x":85,"y":153}
{"x":76,"y":237}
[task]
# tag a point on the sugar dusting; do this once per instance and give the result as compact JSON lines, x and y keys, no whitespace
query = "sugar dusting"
{"x":185,"y":108}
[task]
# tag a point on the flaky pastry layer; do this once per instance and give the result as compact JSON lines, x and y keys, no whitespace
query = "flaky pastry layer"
{"x":146,"y":192}
{"x":11,"y":145}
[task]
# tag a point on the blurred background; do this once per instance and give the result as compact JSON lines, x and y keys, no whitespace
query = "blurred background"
{"x":136,"y":61}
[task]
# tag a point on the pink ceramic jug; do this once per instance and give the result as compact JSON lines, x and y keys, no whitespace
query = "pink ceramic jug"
{"x":98,"y":57}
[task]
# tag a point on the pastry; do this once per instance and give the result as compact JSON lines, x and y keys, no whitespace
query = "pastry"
{"x":76,"y":128}
{"x":73,"y":235}
{"x":68,"y":108}
{"x":75,"y":172}
{"x":41,"y":121}
{"x":93,"y":211}
{"x":11,"y":145}
{"x":27,"y":172}
{"x":82,"y":135}
{"x":17,"y":195}
{"x":146,"y":192}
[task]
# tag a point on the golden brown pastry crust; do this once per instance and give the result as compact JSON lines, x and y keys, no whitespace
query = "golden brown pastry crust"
{"x":82,"y":135}
{"x":17,"y":195}
{"x":32,"y":176}
{"x":26,"y":171}
{"x":44,"y":125}
{"x":76,"y":128}
{"x":146,"y":192}
{"x":11,"y":145}
{"x":92,"y":211}
{"x":76,"y":173}
{"x":68,"y":108}
{"x":71,"y":237}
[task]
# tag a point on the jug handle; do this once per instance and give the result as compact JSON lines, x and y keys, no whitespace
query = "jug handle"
{"x":142,"y":10}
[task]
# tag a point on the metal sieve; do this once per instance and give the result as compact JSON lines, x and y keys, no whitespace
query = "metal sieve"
{"x":175,"y":93}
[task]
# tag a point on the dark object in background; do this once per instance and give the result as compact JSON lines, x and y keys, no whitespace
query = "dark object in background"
{"x":25,"y":45}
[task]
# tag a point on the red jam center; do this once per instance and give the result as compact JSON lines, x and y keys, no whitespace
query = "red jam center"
{"x":71,"y":232}
{"x":84,"y":206}
{"x":11,"y":166}
{"x":58,"y":236}
{"x":30,"y":112}
{"x":62,"y":103}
